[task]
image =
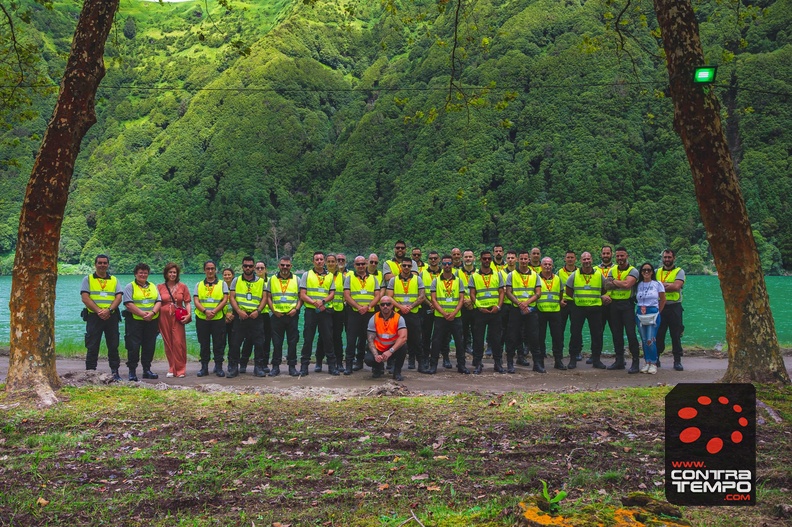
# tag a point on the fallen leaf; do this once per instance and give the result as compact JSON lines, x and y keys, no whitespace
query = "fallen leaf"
{"x":420,"y":477}
{"x":330,"y":472}
{"x":250,"y":441}
{"x":441,"y":457}
{"x":364,"y":438}
{"x":509,"y":472}
{"x":433,"y":488}
{"x":512,"y":402}
{"x":642,"y":486}
{"x":627,"y":448}
{"x":41,"y":502}
{"x":383,"y":486}
{"x":494,"y":403}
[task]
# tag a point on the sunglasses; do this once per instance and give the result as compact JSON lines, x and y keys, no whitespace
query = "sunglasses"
{"x":374,"y":261}
{"x":285,"y":265}
{"x":447,"y":263}
{"x":400,"y":248}
{"x":385,"y":304}
{"x":247,"y":266}
{"x":360,"y":264}
{"x":434,"y":257}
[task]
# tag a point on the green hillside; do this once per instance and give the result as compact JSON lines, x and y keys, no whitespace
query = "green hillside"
{"x":328,"y":122}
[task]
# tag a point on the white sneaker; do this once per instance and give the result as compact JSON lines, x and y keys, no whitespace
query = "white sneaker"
{"x":169,"y":374}
{"x":645,"y":368}
{"x":652,"y":369}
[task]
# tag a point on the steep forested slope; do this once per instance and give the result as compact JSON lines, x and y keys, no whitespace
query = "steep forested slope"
{"x":334,"y":131}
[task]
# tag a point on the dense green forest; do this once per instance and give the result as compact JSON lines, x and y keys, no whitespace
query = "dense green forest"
{"x":336,"y":125}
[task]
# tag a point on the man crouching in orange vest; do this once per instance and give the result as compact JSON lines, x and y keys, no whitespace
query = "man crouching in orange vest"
{"x":387,"y":336}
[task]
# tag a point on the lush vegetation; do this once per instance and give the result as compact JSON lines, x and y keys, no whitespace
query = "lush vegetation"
{"x":326,"y":123}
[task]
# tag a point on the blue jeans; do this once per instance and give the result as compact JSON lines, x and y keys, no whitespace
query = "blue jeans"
{"x":648,"y":334}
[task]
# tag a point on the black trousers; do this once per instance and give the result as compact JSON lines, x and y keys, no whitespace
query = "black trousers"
{"x":95,"y":327}
{"x":467,"y":326}
{"x":556,"y":321}
{"x":486,"y":325}
{"x":357,"y":334}
{"x":442,"y":330}
{"x":522,"y":329}
{"x":566,"y":315}
{"x":250,"y":329}
{"x":339,"y":324}
{"x":622,"y":320}
{"x":671,"y":320}
{"x":579,"y":315}
{"x":323,"y":322}
{"x":505,"y":317}
{"x":414,"y":338}
{"x":211,"y":338}
{"x":248,"y":345}
{"x":285,"y":326}
{"x":397,"y":357}
{"x":427,"y":326}
{"x":140,"y":337}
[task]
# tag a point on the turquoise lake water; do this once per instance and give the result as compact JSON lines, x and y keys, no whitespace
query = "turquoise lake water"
{"x":705,"y":323}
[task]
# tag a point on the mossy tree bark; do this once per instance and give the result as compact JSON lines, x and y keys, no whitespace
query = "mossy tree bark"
{"x":35,"y":273}
{"x":754,"y":355}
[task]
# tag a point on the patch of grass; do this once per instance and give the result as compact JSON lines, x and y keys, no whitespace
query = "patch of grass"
{"x":189,"y":458}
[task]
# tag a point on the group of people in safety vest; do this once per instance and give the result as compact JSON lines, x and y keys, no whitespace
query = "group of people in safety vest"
{"x":408,"y":310}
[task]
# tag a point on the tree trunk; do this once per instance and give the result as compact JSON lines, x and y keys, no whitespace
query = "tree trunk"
{"x":754,"y":355}
{"x":32,"y":306}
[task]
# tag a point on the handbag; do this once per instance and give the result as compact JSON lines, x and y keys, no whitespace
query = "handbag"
{"x":181,"y":313}
{"x":648,"y":319}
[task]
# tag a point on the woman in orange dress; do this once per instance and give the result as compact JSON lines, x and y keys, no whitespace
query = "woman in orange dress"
{"x":175,"y":297}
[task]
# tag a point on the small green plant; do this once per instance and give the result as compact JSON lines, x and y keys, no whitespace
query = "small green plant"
{"x":553,"y":502}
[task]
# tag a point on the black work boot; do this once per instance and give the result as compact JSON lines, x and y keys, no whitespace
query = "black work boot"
{"x":233,"y":371}
{"x":635,"y":367}
{"x":275,"y":371}
{"x":357,"y":365}
{"x":242,"y":367}
{"x":116,"y":376}
{"x":397,"y":376}
{"x":510,"y":365}
{"x":447,"y":362}
{"x":318,"y":366}
{"x":411,"y":363}
{"x":293,"y":370}
{"x":558,"y":363}
{"x":499,"y":366}
{"x":204,"y":371}
{"x":258,"y":369}
{"x":618,"y":365}
{"x":538,"y":366}
{"x":133,"y":375}
{"x":331,"y":368}
{"x":678,"y":364}
{"x":304,"y":370}
{"x":348,"y":369}
{"x":218,"y":369}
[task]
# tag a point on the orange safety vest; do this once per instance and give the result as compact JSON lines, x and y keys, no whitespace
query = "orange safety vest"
{"x":387,"y":331}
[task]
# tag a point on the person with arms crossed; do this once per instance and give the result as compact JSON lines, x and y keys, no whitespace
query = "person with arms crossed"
{"x":284,"y":300}
{"x":210,"y":296}
{"x":101,"y":293}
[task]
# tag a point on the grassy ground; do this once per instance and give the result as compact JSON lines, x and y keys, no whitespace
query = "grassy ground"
{"x":137,"y":456}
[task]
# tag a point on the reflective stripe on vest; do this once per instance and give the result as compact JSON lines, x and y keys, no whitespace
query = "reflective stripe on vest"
{"x":363,"y":291}
{"x":102,"y":296}
{"x":144,"y":299}
{"x":550,"y":297}
{"x":664,"y":279}
{"x":317,"y":287}
{"x":284,"y":301}
{"x":447,"y":300}
{"x":410,"y":295}
{"x":588,"y":293}
{"x":210,"y":298}
{"x":387,"y":331}
{"x":618,"y":274}
{"x":524,"y":289}
{"x":563,"y":274}
{"x":486,"y":296}
{"x":249,"y":297}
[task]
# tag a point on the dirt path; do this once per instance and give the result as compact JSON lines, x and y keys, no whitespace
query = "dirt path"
{"x":697,"y":369}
